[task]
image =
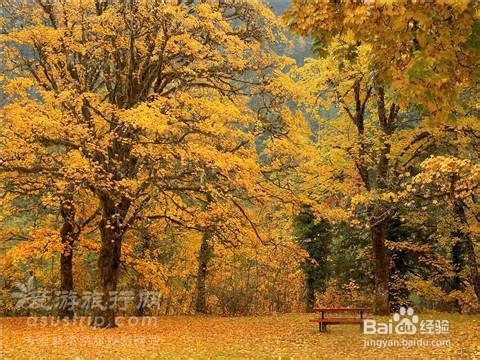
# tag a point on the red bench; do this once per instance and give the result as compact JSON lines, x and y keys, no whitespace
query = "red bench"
{"x":324,"y":321}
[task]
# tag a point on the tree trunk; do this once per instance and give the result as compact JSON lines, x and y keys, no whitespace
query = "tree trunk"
{"x":469,"y":248}
{"x":387,"y":120}
{"x":458,"y":264}
{"x":398,"y":291}
{"x":68,"y":234}
{"x":381,"y":268}
{"x":203,"y":259}
{"x":111,"y":232}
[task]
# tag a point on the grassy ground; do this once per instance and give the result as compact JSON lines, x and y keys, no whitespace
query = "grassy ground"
{"x":204,"y":337}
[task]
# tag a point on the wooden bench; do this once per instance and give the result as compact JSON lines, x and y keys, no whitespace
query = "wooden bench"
{"x":324,"y":321}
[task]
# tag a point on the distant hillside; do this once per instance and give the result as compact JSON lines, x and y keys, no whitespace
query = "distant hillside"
{"x":301,"y":48}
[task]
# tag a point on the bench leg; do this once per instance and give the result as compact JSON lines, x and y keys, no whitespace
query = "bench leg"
{"x":322,"y":327}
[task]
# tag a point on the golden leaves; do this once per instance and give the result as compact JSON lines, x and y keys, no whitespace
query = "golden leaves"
{"x":280,"y":336}
{"x":412,"y":48}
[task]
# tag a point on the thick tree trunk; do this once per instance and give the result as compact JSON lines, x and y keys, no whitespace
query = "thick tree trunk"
{"x":469,"y":248}
{"x":458,"y":265}
{"x":111,"y":232}
{"x":381,"y":268}
{"x":203,"y":260}
{"x":68,"y":234}
{"x":66,"y":280}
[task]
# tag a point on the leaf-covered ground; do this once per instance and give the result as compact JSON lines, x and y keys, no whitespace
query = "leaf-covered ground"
{"x":201,"y":337}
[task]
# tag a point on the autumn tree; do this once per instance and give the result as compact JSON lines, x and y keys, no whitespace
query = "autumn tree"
{"x":386,"y":67}
{"x":314,"y":237}
{"x":37,"y":185}
{"x":454,"y":182}
{"x":134,"y":99}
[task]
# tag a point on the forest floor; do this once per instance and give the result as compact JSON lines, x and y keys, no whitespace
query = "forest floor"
{"x":212,"y":337}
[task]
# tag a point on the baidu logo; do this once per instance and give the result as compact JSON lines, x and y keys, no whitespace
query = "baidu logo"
{"x":403,"y":322}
